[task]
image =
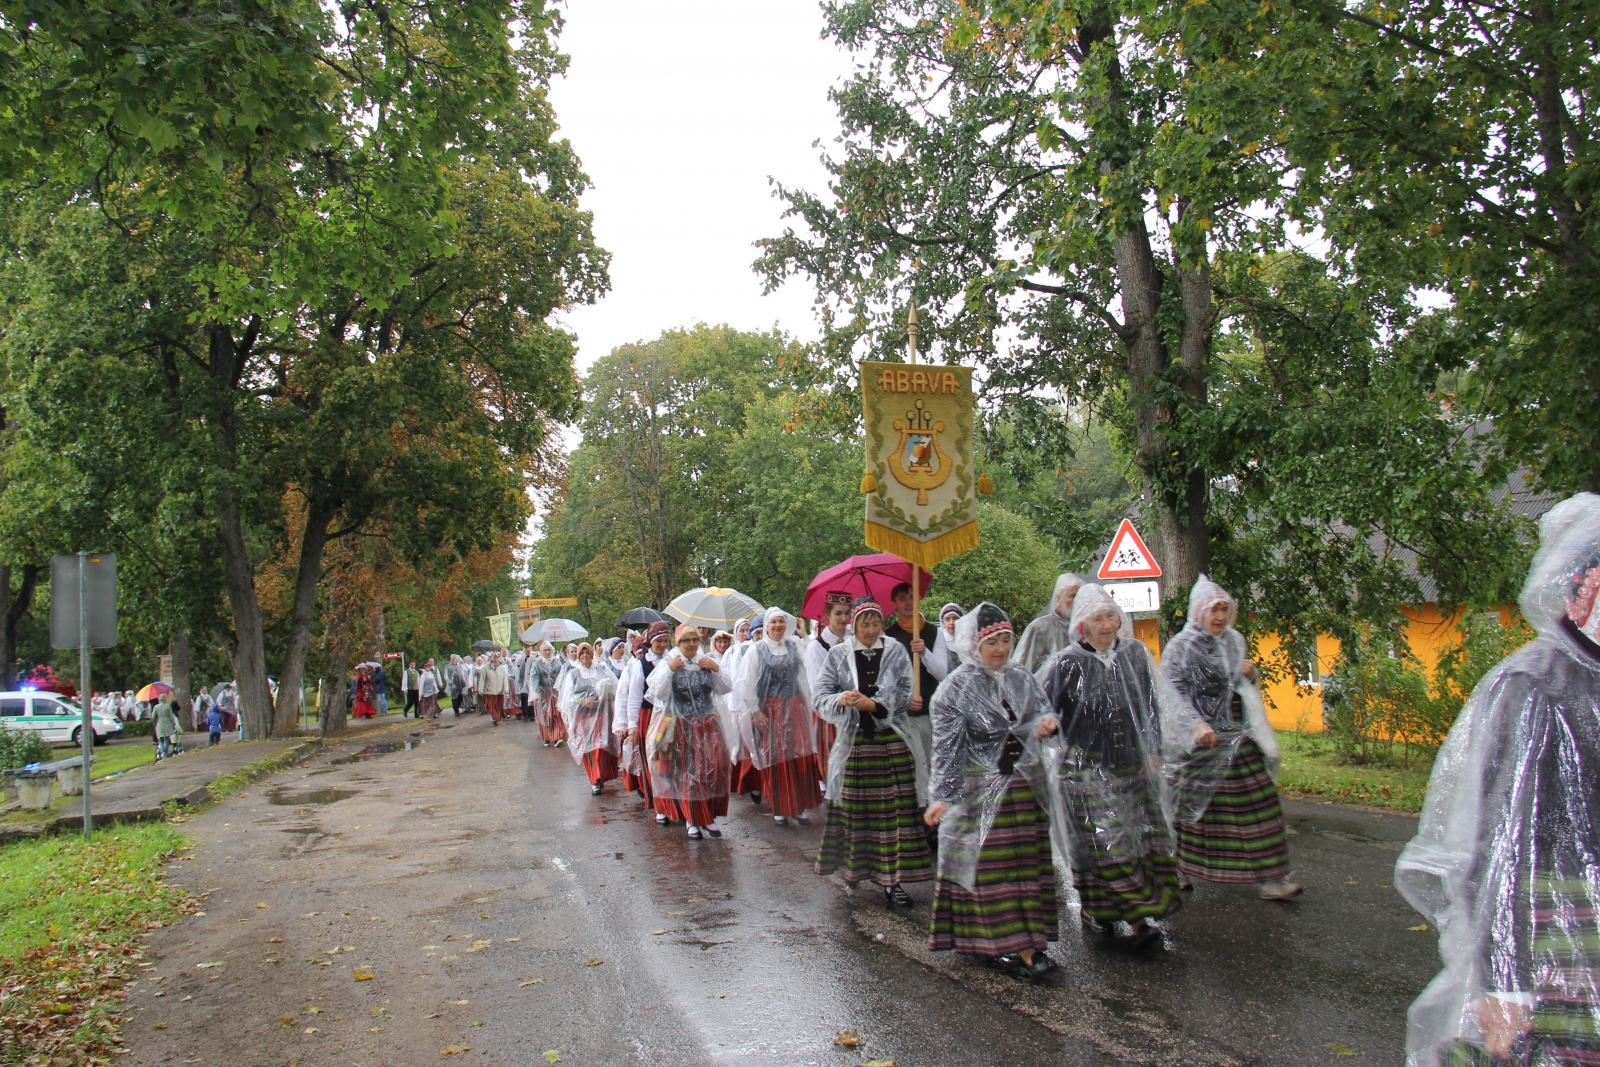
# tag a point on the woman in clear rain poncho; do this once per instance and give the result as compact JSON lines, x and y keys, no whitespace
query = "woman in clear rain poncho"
{"x":634,"y":708}
{"x":1103,"y":690}
{"x":1506,"y":861}
{"x":1049,"y":633}
{"x":586,"y":698}
{"x":996,"y":894}
{"x":746,"y":775}
{"x":775,"y":720}
{"x":684,"y":746}
{"x":1226,"y":811}
{"x":552,"y":729}
{"x":875,"y":777}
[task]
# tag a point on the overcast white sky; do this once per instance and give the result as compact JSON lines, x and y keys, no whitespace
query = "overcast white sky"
{"x":680,"y":112}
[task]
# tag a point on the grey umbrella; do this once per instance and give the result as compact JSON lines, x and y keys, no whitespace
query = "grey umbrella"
{"x":485,"y":646}
{"x":711,"y":606}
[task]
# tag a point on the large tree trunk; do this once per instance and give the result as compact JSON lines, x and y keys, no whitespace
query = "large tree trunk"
{"x":250,"y":658}
{"x":332,"y":715}
{"x":12,"y":610}
{"x":1183,"y":538}
{"x":180,"y":676}
{"x":286,"y":715}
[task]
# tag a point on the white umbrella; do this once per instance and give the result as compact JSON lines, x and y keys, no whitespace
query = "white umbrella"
{"x":554,"y":630}
{"x":711,"y":606}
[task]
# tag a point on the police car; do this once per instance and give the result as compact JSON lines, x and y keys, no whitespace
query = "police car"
{"x":53,"y":717}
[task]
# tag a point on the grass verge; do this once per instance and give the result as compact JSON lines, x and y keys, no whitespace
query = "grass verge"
{"x":1311,"y":768}
{"x":71,"y":915}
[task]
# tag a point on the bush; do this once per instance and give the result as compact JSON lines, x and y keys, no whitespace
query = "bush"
{"x":1012,"y":566}
{"x":1383,"y":696}
{"x":138,"y":728}
{"x":18,"y":748}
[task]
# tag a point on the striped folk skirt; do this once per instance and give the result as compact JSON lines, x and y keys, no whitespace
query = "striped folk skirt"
{"x":746,"y":779}
{"x":1118,"y":830}
{"x":875,"y":831}
{"x":551,"y":726}
{"x":639,"y":781}
{"x":1240,"y":838}
{"x":1012,"y":905}
{"x":600,"y":764}
{"x":791,"y":787}
{"x":699,"y":767}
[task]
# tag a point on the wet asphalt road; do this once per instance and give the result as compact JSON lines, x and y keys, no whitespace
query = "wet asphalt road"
{"x":505,"y":914}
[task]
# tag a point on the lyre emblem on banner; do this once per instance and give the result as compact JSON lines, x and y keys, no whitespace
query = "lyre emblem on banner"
{"x":918,"y":462}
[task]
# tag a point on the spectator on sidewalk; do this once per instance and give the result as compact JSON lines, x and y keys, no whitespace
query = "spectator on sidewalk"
{"x":380,"y":688}
{"x":215,"y":721}
{"x":167,"y":728}
{"x":411,"y":680}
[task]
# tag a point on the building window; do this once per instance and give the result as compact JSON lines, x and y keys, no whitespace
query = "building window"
{"x":1307,"y":672}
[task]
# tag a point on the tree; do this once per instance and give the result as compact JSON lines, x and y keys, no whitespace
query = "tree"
{"x":1071,"y":174}
{"x":1012,"y":567}
{"x":361,"y":318}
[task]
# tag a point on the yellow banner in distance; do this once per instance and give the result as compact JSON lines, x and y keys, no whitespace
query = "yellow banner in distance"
{"x":500,"y":628}
{"x":921,"y":475}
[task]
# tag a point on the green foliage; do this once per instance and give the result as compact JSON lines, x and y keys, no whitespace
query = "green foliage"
{"x":1013,"y":566}
{"x":18,"y":748}
{"x":1383,"y":696}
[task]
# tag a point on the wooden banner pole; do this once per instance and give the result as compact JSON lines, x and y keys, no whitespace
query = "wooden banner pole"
{"x":916,"y":577}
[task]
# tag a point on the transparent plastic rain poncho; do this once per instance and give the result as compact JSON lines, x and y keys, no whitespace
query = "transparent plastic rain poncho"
{"x":684,"y":748}
{"x":837,"y":677}
{"x":1506,"y":861}
{"x":1204,"y":670}
{"x":977,"y":712}
{"x":775,"y":720}
{"x":1049,"y":633}
{"x":588,"y":695}
{"x":547,"y":668}
{"x":1108,"y":794}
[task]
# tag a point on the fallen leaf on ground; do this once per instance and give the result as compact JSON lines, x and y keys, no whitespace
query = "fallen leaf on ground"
{"x":1422,"y":929}
{"x":878,"y":1063}
{"x":675,"y":913}
{"x":308,"y":915}
{"x":345,"y":913}
{"x":697,"y":900}
{"x":207,"y":966}
{"x":848,"y":1039}
{"x":1352,"y":883}
{"x":432,"y":1015}
{"x":531,"y":981}
{"x":451,"y":1050}
{"x":478,"y":1023}
{"x":311,"y":1030}
{"x":657,"y":933}
{"x":395,"y":856}
{"x":594,"y":963}
{"x":1339,"y":1048}
{"x":512,"y":940}
{"x":159,"y":1026}
{"x":274,"y":940}
{"x":313,"y":1010}
{"x":361,"y":976}
{"x":480,"y":900}
{"x":260,"y":905}
{"x":458,"y":1002}
{"x":552,"y":1056}
{"x":287,"y":1020}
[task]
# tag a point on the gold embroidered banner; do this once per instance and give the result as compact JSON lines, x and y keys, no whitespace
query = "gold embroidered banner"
{"x":921,"y":473}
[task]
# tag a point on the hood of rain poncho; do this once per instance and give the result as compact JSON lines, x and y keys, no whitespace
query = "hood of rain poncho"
{"x":950,"y":609}
{"x":1109,"y":798}
{"x":1504,"y":861}
{"x":975,"y":711}
{"x":685,"y":747}
{"x":973,"y":628}
{"x":789,"y":626}
{"x":773,"y":701}
{"x":1048,"y":634}
{"x":1206,"y":674}
{"x":1091,"y":601}
{"x":585,"y":701}
{"x":837,"y":677}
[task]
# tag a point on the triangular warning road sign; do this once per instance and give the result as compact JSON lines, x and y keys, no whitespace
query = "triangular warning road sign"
{"x":1128,"y":557}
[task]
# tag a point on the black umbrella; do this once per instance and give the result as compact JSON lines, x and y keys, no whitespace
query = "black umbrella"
{"x":640,"y":617}
{"x":485,"y":646}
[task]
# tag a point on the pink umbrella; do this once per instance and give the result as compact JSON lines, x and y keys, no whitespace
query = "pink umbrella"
{"x":874,"y":576}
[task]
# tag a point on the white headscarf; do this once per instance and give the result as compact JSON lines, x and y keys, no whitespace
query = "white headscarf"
{"x":777,"y":648}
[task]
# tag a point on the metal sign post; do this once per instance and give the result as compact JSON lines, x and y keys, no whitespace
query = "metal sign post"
{"x":83,"y":615}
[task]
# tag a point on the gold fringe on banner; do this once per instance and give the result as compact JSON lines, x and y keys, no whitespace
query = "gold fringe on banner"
{"x":924,"y":554}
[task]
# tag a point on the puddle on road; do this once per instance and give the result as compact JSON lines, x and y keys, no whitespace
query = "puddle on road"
{"x":383,"y":748}
{"x":281,"y":795}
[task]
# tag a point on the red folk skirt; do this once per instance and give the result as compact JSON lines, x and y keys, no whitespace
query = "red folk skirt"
{"x":705,"y":747}
{"x":791,"y":787}
{"x":746,"y":779}
{"x":551,"y":726}
{"x":601,"y":765}
{"x":640,"y":783}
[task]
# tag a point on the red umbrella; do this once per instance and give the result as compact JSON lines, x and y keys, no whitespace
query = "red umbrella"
{"x":874,"y":576}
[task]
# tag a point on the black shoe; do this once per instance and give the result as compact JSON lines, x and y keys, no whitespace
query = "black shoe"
{"x":594,"y":790}
{"x":1041,"y":965}
{"x":1139,"y":938}
{"x":1012,"y":964}
{"x":712,"y":830}
{"x":803,"y":819}
{"x":755,"y":796}
{"x":898,"y":895}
